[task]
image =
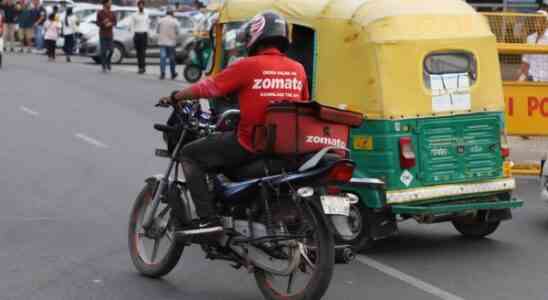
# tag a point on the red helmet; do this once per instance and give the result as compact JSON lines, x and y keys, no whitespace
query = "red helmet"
{"x":268,"y":27}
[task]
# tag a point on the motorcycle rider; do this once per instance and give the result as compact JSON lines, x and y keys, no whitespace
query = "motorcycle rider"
{"x":266,"y":75}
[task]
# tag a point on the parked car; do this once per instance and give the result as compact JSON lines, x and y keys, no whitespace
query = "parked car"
{"x":61,"y":4}
{"x":123,"y":39}
{"x":84,"y":12}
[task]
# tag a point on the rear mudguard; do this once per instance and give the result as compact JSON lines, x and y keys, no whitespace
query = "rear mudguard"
{"x":311,"y":177}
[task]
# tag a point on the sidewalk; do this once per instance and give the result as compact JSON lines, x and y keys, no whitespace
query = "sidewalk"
{"x":530,"y":150}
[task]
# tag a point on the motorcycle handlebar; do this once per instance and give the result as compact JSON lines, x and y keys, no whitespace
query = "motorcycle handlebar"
{"x":165,"y":128}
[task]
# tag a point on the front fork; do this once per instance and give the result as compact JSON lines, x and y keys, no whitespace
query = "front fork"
{"x":164,"y":183}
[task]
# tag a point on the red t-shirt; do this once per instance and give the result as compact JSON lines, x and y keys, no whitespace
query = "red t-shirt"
{"x":258,"y":80}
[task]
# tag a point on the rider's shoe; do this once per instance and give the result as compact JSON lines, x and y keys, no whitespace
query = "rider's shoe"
{"x":202,"y":226}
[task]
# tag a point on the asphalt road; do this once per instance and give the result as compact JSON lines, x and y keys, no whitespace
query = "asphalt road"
{"x":76,"y":147}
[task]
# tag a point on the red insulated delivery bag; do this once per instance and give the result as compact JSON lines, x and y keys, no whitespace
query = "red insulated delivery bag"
{"x":293,"y":128}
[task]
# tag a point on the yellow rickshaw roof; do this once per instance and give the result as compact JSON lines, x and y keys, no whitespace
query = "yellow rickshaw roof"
{"x":362,"y":12}
{"x":368,"y":56}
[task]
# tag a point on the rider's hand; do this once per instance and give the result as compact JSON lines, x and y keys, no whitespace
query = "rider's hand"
{"x":165,"y":100}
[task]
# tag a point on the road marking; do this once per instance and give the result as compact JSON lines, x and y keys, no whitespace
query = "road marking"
{"x":28,"y":111}
{"x":90,"y":140}
{"x":424,"y":286}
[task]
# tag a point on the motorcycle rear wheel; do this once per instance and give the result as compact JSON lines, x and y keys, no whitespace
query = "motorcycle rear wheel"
{"x":150,"y":264}
{"x":322,"y":271}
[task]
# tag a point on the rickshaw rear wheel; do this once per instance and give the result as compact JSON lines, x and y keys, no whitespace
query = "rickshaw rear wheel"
{"x":361,"y":240}
{"x":477,"y":228}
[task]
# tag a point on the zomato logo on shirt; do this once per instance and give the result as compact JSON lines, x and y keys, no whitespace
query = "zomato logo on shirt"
{"x":278,"y":84}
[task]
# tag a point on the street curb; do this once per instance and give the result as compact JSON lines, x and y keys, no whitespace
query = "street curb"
{"x":527,"y":169}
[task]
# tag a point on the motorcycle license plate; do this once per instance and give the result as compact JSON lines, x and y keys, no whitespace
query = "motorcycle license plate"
{"x":335,"y":205}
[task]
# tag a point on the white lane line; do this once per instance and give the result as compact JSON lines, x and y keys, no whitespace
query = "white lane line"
{"x":28,"y":111}
{"x":424,"y":286}
{"x":90,"y":140}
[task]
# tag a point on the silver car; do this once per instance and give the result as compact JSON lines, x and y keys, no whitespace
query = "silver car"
{"x":123,"y":39}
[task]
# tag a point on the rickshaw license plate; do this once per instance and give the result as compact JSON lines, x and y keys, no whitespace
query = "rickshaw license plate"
{"x":335,"y":205}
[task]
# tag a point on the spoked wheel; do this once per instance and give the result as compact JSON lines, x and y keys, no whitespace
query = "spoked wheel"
{"x":154,"y":252}
{"x":311,"y":278}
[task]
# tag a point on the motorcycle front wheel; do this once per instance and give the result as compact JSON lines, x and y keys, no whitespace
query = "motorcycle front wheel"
{"x":154,"y":252}
{"x":312,"y":277}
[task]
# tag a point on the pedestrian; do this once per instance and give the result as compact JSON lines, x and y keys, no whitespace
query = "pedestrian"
{"x":139,"y":24}
{"x":168,"y":30}
{"x":1,"y":38}
{"x":26,"y":22}
{"x":534,"y":67}
{"x":70,"y":27}
{"x":39,"y":16}
{"x":52,"y":29}
{"x":106,"y":20}
{"x":55,"y":12}
{"x":10,"y":21}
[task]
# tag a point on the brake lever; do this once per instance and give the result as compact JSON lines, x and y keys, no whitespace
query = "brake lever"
{"x":160,"y":104}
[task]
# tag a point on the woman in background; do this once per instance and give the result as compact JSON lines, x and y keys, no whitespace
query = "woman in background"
{"x":70,"y":27}
{"x":52,"y":28}
{"x":1,"y":38}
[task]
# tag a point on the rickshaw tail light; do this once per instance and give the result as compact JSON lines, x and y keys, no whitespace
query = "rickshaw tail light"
{"x":504,"y":148}
{"x":342,"y":172}
{"x":505,"y":151}
{"x":408,"y":159}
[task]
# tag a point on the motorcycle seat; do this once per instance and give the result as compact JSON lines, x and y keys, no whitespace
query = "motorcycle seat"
{"x":268,"y":166}
{"x":262,"y":167}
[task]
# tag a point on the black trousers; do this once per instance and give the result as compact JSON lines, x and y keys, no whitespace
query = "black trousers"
{"x":50,"y":47}
{"x":69,"y":44}
{"x":209,"y":156}
{"x":140,"y":41}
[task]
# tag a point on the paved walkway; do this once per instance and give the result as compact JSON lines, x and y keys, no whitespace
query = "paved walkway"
{"x":528,"y":150}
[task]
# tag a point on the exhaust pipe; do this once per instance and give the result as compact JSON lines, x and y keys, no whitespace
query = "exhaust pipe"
{"x":344,"y":254}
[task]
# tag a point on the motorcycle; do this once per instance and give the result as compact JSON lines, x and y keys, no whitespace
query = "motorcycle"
{"x":280,"y":217}
{"x":199,"y":53}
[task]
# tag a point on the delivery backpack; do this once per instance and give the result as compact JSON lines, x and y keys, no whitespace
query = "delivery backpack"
{"x":295,"y":128}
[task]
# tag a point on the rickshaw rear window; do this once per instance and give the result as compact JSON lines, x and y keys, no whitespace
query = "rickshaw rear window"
{"x":446,"y":63}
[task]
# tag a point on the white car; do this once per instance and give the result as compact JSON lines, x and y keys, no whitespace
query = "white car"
{"x":82,"y":11}
{"x":61,"y":4}
{"x":88,"y":25}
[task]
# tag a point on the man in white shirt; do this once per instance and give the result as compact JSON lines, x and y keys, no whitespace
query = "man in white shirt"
{"x":168,"y":30}
{"x":535,"y":66}
{"x":140,"y":24}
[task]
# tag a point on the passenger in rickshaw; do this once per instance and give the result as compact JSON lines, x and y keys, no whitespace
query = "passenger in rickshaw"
{"x":535,"y":66}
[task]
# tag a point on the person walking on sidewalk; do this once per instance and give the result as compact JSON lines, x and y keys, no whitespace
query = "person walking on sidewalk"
{"x":106,"y":20}
{"x":10,"y":20}
{"x":168,"y":30}
{"x":534,"y":67}
{"x":1,"y":38}
{"x":70,"y":27}
{"x":140,"y":24}
{"x":25,"y":22}
{"x":52,"y":28}
{"x":39,"y":16}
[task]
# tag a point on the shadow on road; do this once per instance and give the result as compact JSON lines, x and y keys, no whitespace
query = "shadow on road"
{"x":413,"y":243}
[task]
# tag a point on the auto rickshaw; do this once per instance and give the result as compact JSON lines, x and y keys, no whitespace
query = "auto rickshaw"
{"x":425,"y":75}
